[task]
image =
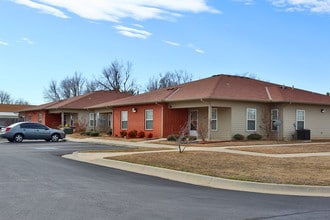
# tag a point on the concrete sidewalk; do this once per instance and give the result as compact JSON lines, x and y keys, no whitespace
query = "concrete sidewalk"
{"x":191,"y":178}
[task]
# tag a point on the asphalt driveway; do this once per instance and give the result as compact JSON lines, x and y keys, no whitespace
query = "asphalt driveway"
{"x":37,"y":183}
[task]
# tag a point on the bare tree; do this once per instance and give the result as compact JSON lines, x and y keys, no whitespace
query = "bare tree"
{"x":68,"y":87}
{"x":53,"y":92}
{"x":117,"y":77}
{"x":203,"y":128}
{"x":21,"y":102}
{"x":153,"y":84}
{"x":182,"y":138}
{"x":91,"y":86}
{"x":72,"y":86}
{"x":266,"y":125}
{"x":168,"y":79}
{"x":5,"y":98}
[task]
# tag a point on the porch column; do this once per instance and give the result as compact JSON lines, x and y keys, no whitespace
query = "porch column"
{"x":209,"y":117}
{"x":62,"y":119}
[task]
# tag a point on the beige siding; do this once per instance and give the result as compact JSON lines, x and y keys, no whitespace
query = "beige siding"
{"x":315,"y":120}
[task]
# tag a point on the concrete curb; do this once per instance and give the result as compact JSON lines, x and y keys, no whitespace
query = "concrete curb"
{"x":208,"y":181}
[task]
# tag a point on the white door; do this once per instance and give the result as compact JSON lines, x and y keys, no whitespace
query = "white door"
{"x":193,"y":123}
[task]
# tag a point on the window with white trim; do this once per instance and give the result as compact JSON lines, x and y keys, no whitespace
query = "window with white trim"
{"x":214,"y":119}
{"x":124,"y":120}
{"x":149,"y":119}
{"x":300,"y":119}
{"x":91,"y":119}
{"x":40,"y":117}
{"x":274,"y":117}
{"x":251,"y":117}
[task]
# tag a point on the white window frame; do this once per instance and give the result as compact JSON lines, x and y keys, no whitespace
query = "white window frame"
{"x":149,"y":120}
{"x":274,"y":116}
{"x":91,"y":119}
{"x":214,"y":120}
{"x":300,"y":118}
{"x":251,"y":119}
{"x":123,"y":119}
{"x":40,"y":118}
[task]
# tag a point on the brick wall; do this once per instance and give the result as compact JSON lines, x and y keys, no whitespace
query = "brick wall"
{"x":165,"y":121}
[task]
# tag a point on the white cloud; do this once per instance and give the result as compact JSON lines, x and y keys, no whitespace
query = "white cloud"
{"x":200,"y":51}
{"x":3,"y":43}
{"x":316,"y":6}
{"x":246,"y":2}
{"x":42,"y":7}
{"x":115,"y":10}
{"x":171,"y":43}
{"x":132,"y":32}
{"x":27,"y":40}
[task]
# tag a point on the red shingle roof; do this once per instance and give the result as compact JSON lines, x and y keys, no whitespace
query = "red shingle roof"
{"x":226,"y":87}
{"x":13,"y":108}
{"x":83,"y":101}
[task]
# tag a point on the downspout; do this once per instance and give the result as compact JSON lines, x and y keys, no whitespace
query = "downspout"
{"x":209,"y":122}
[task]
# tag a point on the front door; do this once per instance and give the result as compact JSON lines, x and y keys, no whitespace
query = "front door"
{"x":193,"y":123}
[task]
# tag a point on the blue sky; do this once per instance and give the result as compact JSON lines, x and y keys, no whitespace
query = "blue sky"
{"x":280,"y":41}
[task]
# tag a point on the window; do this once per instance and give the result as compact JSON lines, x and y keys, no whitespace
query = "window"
{"x":91,"y":119}
{"x":274,"y":117}
{"x":193,"y":120}
{"x":149,"y":117}
{"x":300,"y":119}
{"x":40,"y":118}
{"x":124,"y":120}
{"x":214,"y":119}
{"x":251,"y":116}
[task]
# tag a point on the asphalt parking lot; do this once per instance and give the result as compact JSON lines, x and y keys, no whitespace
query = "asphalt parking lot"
{"x":37,"y":183}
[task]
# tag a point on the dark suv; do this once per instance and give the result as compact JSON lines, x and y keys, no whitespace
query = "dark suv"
{"x":31,"y":130}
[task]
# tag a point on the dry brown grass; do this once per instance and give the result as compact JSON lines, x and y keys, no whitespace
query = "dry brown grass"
{"x":288,"y":149}
{"x":300,"y":171}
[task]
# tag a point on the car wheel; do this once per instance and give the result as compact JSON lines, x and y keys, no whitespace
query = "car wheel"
{"x":55,"y":137}
{"x":18,"y":138}
{"x":10,"y":139}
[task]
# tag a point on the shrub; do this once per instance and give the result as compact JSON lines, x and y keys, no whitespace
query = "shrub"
{"x":238,"y":137}
{"x":94,"y":133}
{"x":254,"y":136}
{"x":123,"y":133}
{"x":192,"y":138}
{"x":171,"y":137}
{"x":132,"y":134}
{"x":150,"y":135}
{"x":88,"y":133}
{"x":141,"y":134}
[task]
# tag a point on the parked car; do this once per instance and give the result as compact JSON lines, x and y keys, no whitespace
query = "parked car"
{"x":32,"y":131}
